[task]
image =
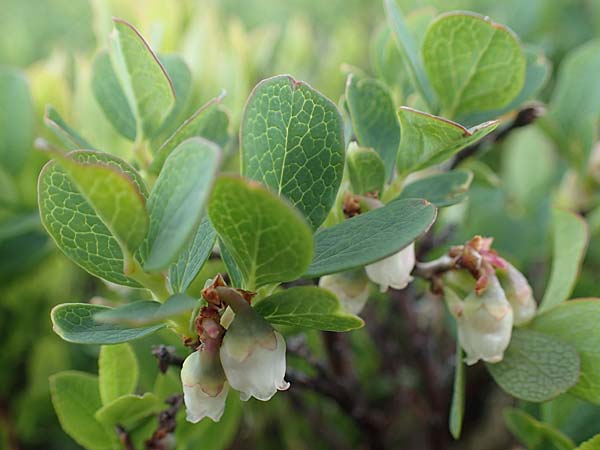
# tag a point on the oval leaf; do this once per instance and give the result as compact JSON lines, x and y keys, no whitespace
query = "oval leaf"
{"x":128,"y":410}
{"x":365,"y":170}
{"x":118,"y":371}
{"x":444,"y":189}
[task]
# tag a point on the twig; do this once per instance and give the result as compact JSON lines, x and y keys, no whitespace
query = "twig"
{"x":166,"y":357}
{"x":124,"y":438}
{"x":162,"y":438}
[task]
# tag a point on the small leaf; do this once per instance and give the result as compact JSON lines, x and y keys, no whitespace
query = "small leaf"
{"x":74,"y":224}
{"x":370,"y":237}
{"x":74,"y":322}
{"x":374,"y":118}
{"x":17,"y":125}
{"x":144,"y":80}
{"x":110,"y":96}
{"x":267,"y":239}
{"x":181,"y":77}
{"x":176,"y":203}
{"x":118,"y":371}
{"x":536,"y":367}
{"x":190,"y":261}
{"x":365,"y":170}
{"x":576,"y":322}
{"x":68,"y":136}
{"x":307,"y":307}
{"x":129,"y":410}
{"x":534,"y":434}
{"x":292,"y":141}
{"x":457,"y":410}
{"x":473,"y":63}
{"x":591,"y":444}
{"x":570,"y":239}
{"x":409,"y":53}
{"x":134,"y":314}
{"x":76,"y":398}
{"x":175,"y":305}
{"x":428,"y":140}
{"x":235,"y":275}
{"x":114,"y":196}
{"x":210,"y":122}
{"x":444,"y":189}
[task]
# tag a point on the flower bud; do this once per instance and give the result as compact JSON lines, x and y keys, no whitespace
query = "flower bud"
{"x":484,"y":322}
{"x":394,"y":270}
{"x":204,"y":386}
{"x":351,"y":288}
{"x":253,"y":356}
{"x":519,"y":294}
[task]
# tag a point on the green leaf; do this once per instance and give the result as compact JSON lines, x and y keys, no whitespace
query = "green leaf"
{"x":76,"y":398}
{"x":74,"y":322}
{"x":176,"y":203}
{"x":129,"y":410}
{"x":473,"y":63}
{"x":234,"y":272}
{"x":112,"y":194}
{"x":370,"y":237}
{"x":570,"y":239}
{"x":307,"y":307}
{"x":292,"y":141}
{"x":190,"y":261}
{"x":591,"y":444}
{"x":68,"y":136}
{"x":17,"y":126}
{"x":211,"y":122}
{"x":410,"y":53}
{"x":110,"y":96}
{"x":118,"y":371}
{"x":457,"y":410}
{"x":144,"y":312}
{"x":536,"y":367}
{"x":74,"y":224}
{"x":267,"y":239}
{"x":144,"y":80}
{"x":576,"y":322}
{"x":365,"y":170}
{"x":374,"y":119}
{"x":444,"y":189}
{"x":181,"y":77}
{"x":175,"y":305}
{"x":428,"y":140}
{"x":534,"y":434}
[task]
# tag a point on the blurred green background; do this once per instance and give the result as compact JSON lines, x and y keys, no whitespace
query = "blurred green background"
{"x":231,"y":45}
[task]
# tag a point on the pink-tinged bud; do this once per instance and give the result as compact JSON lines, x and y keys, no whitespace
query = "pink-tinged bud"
{"x":519,"y":294}
{"x":204,"y":386}
{"x":393,"y":271}
{"x":484,"y":322}
{"x":253,"y":356}
{"x":351,"y":288}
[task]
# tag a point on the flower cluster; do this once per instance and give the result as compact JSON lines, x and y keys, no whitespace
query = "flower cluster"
{"x":500,"y":299}
{"x":248,"y":356}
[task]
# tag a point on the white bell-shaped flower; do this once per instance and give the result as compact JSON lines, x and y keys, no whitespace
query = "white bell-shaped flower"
{"x":485,"y":323}
{"x":253,"y":356}
{"x":351,"y":288}
{"x":204,"y":386}
{"x":518,"y":293}
{"x":393,"y":271}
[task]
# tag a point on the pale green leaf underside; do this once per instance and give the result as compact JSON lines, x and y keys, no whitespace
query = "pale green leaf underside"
{"x":176,"y":203}
{"x":366,"y":171}
{"x":536,"y":367}
{"x":570,"y":239}
{"x":74,"y":322}
{"x":74,"y":225}
{"x":68,"y":136}
{"x":76,"y":398}
{"x":536,"y":435}
{"x":144,"y":80}
{"x":118,"y":371}
{"x":444,"y":189}
{"x":129,"y":410}
{"x":307,"y":307}
{"x":292,"y":141}
{"x":267,"y":238}
{"x":576,"y":322}
{"x":473,"y":63}
{"x":370,"y":237}
{"x":428,"y":140}
{"x":374,"y":118}
{"x":147,"y":312}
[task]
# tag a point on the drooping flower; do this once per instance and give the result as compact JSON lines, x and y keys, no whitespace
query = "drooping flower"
{"x":484,"y":322}
{"x":253,"y":353}
{"x":393,"y":271}
{"x":518,"y":293}
{"x":204,"y":386}
{"x":351,"y":288}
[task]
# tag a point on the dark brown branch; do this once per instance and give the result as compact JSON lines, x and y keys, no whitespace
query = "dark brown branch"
{"x":162,"y":438}
{"x":166,"y":357}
